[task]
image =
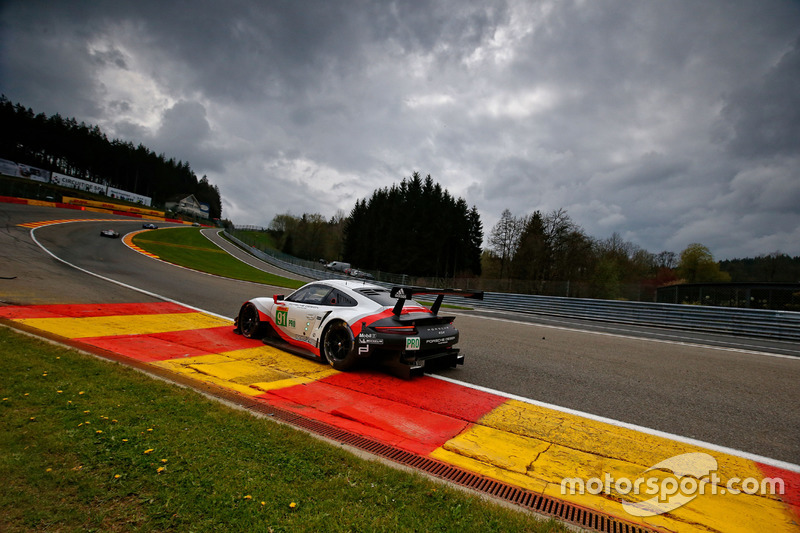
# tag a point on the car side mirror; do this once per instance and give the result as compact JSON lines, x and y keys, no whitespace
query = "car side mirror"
{"x":277,"y":298}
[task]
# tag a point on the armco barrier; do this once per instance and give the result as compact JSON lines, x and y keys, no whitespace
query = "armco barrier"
{"x":302,"y":267}
{"x":782,"y":325}
{"x":778,"y":325}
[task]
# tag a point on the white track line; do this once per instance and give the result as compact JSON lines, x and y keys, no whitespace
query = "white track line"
{"x":131,"y":287}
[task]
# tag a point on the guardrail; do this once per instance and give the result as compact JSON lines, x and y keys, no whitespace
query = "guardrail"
{"x":781,"y":325}
{"x":778,"y":325}
{"x":308,"y":269}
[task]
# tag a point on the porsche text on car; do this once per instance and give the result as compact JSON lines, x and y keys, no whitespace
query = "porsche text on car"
{"x":343,"y":321}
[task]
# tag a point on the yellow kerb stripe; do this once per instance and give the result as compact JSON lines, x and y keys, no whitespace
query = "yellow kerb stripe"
{"x":252,"y":371}
{"x":104,"y":326}
{"x":536,"y":448}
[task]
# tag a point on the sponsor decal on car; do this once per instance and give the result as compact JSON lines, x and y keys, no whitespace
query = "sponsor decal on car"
{"x":412,"y":343}
{"x":443,"y":340}
{"x":282,"y":317}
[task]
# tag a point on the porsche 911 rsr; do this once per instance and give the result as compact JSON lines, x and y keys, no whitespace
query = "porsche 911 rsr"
{"x":109,"y":233}
{"x":343,"y":321}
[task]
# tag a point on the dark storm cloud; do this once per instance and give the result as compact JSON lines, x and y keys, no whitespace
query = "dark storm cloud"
{"x":185,"y":129}
{"x":667,"y":122}
{"x":764,"y":116}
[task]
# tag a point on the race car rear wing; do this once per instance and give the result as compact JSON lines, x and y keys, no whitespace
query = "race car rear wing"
{"x":407,"y":293}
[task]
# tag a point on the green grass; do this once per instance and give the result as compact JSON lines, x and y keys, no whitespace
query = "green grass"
{"x":93,"y":445}
{"x":259,"y":239}
{"x":188,"y":247}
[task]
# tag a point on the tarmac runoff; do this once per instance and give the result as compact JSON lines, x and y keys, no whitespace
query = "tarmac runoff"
{"x":522,"y":443}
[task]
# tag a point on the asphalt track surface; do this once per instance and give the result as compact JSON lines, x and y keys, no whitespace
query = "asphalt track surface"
{"x":741,"y":395}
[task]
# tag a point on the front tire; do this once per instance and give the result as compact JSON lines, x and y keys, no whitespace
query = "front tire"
{"x":339,"y":346}
{"x":249,"y":322}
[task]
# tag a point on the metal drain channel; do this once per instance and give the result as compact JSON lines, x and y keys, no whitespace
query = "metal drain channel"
{"x":544,"y":505}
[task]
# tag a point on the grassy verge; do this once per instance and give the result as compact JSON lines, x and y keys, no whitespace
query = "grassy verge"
{"x":260,"y":239}
{"x":187,"y":247}
{"x":93,"y":445}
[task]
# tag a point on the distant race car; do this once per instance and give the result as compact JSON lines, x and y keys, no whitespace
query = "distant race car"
{"x":109,"y":233}
{"x":149,"y":225}
{"x":343,"y":321}
{"x":360,"y":274}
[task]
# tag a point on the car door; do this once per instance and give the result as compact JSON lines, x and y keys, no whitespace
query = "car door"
{"x":301,"y":314}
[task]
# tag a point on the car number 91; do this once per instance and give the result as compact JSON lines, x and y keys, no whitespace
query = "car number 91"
{"x":412,"y":343}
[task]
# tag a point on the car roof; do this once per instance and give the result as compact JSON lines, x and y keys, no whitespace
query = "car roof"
{"x":349,"y":284}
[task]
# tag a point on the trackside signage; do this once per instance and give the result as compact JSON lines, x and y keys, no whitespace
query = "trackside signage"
{"x":670,"y":484}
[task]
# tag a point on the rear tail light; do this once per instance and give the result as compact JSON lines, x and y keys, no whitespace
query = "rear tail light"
{"x":399,"y":330}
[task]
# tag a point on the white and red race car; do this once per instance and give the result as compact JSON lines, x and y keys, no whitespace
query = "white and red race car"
{"x":342,"y":321}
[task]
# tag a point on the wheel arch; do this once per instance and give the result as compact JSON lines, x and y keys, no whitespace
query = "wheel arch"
{"x":258,"y":331}
{"x":333,"y":321}
{"x":346,"y":355}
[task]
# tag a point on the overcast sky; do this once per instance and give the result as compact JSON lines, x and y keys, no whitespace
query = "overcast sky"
{"x":669,"y":122}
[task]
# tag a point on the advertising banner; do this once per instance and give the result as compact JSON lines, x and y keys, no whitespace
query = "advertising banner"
{"x":9,"y":168}
{"x":33,"y":173}
{"x":129,"y":196}
{"x":77,"y":183}
{"x":112,"y":207}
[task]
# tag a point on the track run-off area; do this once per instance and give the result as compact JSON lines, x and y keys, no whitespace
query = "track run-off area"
{"x":633,"y":428}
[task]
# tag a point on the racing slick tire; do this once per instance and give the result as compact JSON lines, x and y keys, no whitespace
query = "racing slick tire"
{"x":339,"y":346}
{"x":249,"y":323}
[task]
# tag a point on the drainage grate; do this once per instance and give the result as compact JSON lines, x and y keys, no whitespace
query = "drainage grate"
{"x":545,"y":505}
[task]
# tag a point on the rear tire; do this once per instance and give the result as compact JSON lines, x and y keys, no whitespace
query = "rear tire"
{"x":249,"y":322}
{"x":339,"y":346}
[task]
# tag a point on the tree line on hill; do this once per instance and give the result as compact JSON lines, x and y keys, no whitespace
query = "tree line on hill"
{"x":417,"y":228}
{"x":309,"y":236}
{"x":776,"y":267}
{"x":542,"y":248}
{"x":414,"y":227}
{"x":83,"y":151}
